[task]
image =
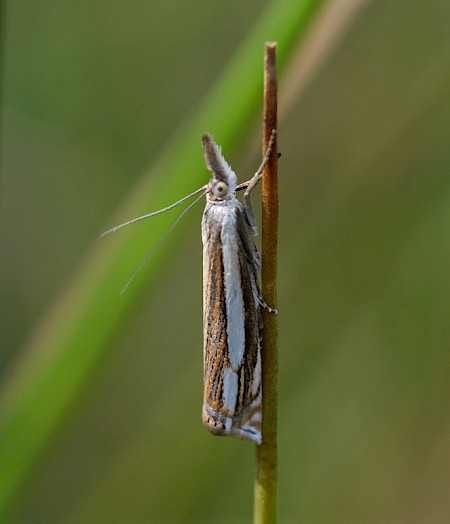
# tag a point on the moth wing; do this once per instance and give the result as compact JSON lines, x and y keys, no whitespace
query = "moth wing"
{"x":232,"y":399}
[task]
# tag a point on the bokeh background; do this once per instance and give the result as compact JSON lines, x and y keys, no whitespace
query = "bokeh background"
{"x":94,"y":96}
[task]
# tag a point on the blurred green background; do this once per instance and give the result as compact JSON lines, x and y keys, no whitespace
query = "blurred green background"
{"x":101,"y":393}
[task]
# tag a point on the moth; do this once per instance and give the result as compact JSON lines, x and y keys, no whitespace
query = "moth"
{"x":232,"y":303}
{"x":232,"y":300}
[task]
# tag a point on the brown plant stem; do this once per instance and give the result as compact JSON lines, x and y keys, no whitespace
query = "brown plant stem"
{"x":265,"y":509}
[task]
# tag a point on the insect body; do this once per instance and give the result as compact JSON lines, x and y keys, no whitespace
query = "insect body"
{"x":232,"y":305}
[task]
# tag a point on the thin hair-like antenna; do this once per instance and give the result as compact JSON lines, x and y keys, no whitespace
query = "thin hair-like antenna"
{"x":153,"y":213}
{"x":166,"y":234}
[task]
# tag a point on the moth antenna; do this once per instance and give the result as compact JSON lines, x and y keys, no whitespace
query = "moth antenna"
{"x":153,"y":213}
{"x":166,"y":234}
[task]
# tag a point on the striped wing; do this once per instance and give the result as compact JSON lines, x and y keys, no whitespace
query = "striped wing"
{"x":232,"y":324}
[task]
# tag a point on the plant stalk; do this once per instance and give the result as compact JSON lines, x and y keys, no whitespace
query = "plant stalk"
{"x":265,"y":509}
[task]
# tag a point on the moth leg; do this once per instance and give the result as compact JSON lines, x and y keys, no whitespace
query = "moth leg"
{"x":254,"y":180}
{"x":259,"y":299}
{"x":266,"y":306}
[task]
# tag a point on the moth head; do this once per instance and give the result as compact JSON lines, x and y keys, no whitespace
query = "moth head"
{"x":223,"y":182}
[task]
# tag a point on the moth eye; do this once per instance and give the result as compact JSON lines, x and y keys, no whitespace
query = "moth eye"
{"x":220,"y":189}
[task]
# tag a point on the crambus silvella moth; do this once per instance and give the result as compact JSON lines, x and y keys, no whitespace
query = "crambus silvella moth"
{"x":232,"y":302}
